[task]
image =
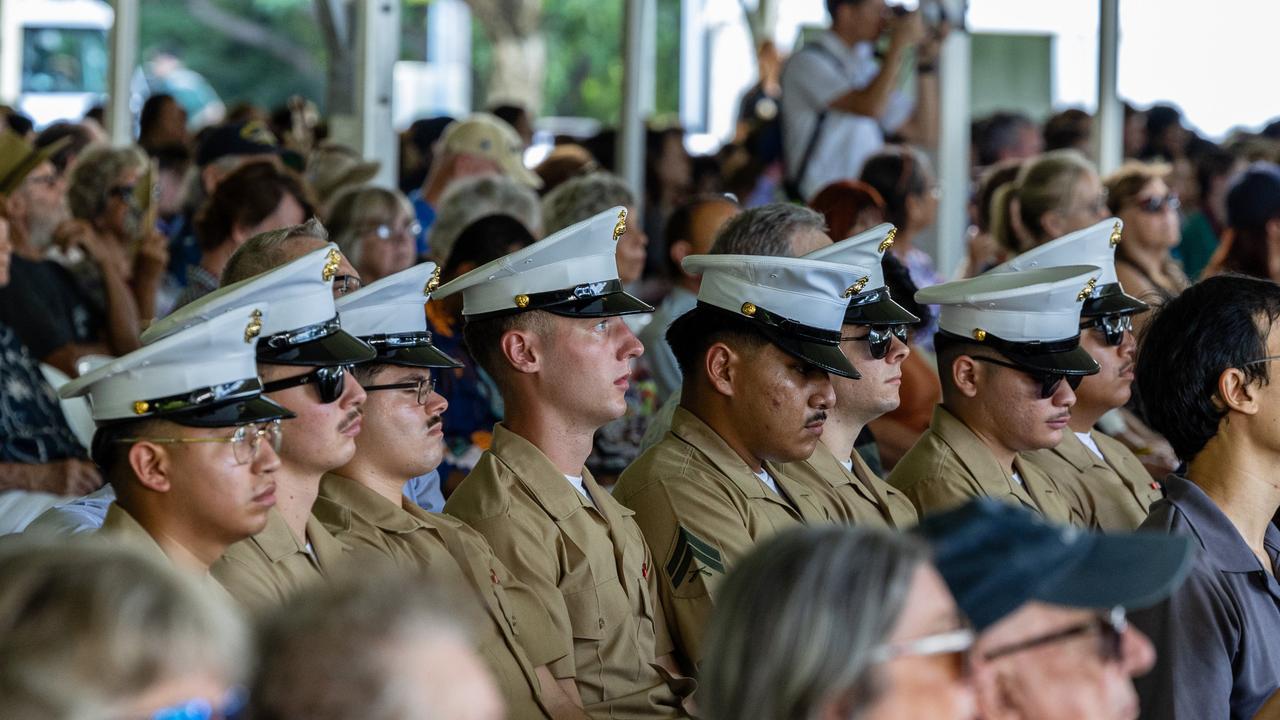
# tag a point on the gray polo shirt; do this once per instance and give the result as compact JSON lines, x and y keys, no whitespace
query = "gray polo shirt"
{"x":1217,"y":638}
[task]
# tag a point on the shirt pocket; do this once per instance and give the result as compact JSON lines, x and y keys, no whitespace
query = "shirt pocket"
{"x":585,"y":616}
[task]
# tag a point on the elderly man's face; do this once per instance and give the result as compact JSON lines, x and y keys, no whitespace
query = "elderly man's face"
{"x":1076,"y":675}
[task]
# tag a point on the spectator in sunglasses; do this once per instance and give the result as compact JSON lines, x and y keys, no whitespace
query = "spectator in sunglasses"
{"x":1137,"y":193}
{"x":1206,"y":377}
{"x":1105,"y":480}
{"x":1009,"y":359}
{"x":833,"y":622}
{"x":874,"y":339}
{"x":186,"y":440}
{"x":1049,"y":605}
{"x":304,"y":357}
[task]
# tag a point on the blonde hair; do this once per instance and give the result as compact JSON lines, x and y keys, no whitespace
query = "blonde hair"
{"x":1044,"y":184}
{"x":1127,"y":182}
{"x":355,"y":209}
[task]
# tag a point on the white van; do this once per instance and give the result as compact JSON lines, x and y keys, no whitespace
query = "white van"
{"x":54,"y":60}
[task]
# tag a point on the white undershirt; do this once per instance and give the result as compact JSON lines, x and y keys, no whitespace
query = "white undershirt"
{"x":769,"y":482}
{"x":1087,"y":439}
{"x":848,"y":464}
{"x":1018,"y":479}
{"x":576,"y":482}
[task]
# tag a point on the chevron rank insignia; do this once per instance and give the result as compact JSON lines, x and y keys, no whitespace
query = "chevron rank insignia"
{"x":692,"y":556}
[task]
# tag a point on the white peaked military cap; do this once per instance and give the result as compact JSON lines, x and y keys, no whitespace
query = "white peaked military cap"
{"x":573,"y":272}
{"x":797,"y":303}
{"x":1032,"y":317}
{"x":205,"y":375}
{"x":1094,"y":245}
{"x":871,"y":303}
{"x":390,"y":315}
{"x":303,"y":328}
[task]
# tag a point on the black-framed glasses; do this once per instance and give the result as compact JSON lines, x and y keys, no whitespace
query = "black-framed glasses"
{"x":880,"y":338}
{"x":422,"y":386}
{"x":1112,"y":327}
{"x":1157,"y":203}
{"x":330,"y":381}
{"x":244,"y":442}
{"x":1048,"y":381}
{"x":343,"y":284}
{"x":1110,"y":627}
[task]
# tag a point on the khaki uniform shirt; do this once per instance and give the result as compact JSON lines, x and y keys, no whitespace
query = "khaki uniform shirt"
{"x":517,"y":637}
{"x":856,"y":496}
{"x":701,"y":509}
{"x":948,"y":465}
{"x":268,"y":568}
{"x":588,"y":565}
{"x":1112,"y":492}
{"x":121,"y":526}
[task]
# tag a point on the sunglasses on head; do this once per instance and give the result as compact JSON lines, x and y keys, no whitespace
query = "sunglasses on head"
{"x":1048,"y":381}
{"x":1112,"y":327}
{"x":1157,"y":203}
{"x":330,"y":382}
{"x":880,"y":338}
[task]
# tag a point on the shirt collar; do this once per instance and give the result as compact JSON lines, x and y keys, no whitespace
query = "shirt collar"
{"x":535,"y":472}
{"x":366,"y":503}
{"x":1225,"y":549}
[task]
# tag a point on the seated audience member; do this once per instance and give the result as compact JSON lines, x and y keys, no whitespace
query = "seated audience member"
{"x":1252,"y":245}
{"x":398,"y":648}
{"x":565,"y":162}
{"x":375,"y":228}
{"x":1009,"y":359}
{"x":985,"y":252}
{"x":1049,"y":604}
{"x":1071,"y":129}
{"x":473,"y":198}
{"x":1054,"y":194}
{"x":1106,"y":482}
{"x":475,"y":404}
{"x":1206,"y":376}
{"x":49,"y":310}
{"x":1003,"y":136}
{"x":333,"y":169}
{"x":363,"y":501}
{"x":849,"y":207}
{"x":836,"y":622}
{"x":79,"y":137}
{"x":103,"y":192}
{"x":256,"y":197}
{"x":93,"y":630}
{"x":1202,"y":230}
{"x":162,"y":121}
{"x":186,"y":440}
{"x":518,"y":117}
{"x":691,"y":230}
{"x":1138,"y":195}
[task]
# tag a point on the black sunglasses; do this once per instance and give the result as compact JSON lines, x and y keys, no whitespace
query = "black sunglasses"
{"x":880,"y":338}
{"x":329,"y":381}
{"x":1110,"y":627}
{"x":1048,"y":381}
{"x":1112,"y":327}
{"x":1157,"y":203}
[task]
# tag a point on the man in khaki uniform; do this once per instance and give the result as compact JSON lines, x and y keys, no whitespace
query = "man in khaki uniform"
{"x":543,"y":322}
{"x":303,"y":358}
{"x":1009,"y":359}
{"x":181,"y":430}
{"x":1106,"y":482}
{"x":756,"y":353}
{"x":363,"y":504}
{"x":874,"y":338}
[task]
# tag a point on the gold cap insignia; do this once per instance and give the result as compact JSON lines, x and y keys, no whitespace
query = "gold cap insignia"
{"x":888,"y":240}
{"x":141,"y":407}
{"x":1115,"y":234}
{"x":331,"y":265}
{"x":522,"y":301}
{"x":856,"y":288}
{"x":1088,"y":289}
{"x":621,"y":227}
{"x":979,"y":334}
{"x":748,"y":309}
{"x":433,"y":283}
{"x":254,"y":327}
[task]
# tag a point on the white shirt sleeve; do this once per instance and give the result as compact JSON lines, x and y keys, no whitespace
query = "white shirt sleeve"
{"x":813,"y":79}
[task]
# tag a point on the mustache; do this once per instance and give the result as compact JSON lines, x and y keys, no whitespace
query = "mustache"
{"x":353,"y":416}
{"x":434,"y":421}
{"x":1060,"y":416}
{"x":818,"y":417}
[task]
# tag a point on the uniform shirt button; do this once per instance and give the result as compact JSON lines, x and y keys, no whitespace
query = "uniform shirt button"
{"x":601,"y":623}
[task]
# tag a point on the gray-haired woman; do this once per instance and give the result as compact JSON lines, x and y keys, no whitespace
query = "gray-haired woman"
{"x":828,"y":623}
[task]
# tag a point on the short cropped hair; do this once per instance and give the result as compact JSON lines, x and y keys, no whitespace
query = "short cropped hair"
{"x":1218,"y":323}
{"x":269,"y":250}
{"x":483,"y":339}
{"x":766,"y":230}
{"x":693,"y":333}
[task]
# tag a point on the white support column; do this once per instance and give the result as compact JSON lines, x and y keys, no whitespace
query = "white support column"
{"x":638,"y":49}
{"x":377,"y":47}
{"x":1108,"y":133}
{"x":953,"y":149}
{"x":124,"y":58}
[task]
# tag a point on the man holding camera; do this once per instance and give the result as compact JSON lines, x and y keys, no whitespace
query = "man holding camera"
{"x":839,"y":101}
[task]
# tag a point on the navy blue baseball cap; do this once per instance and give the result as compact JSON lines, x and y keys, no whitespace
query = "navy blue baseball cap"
{"x":996,"y":556}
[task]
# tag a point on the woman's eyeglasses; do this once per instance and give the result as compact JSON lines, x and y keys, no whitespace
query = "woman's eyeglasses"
{"x":880,"y":338}
{"x":1048,"y":381}
{"x":1157,"y":203}
{"x":1112,"y":327}
{"x":1110,"y":628}
{"x":244,"y":442}
{"x":386,"y":231}
{"x":329,"y":381}
{"x":955,"y":643}
{"x":423,"y":387}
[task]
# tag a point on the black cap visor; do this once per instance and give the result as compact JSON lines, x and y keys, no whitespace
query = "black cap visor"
{"x":1112,"y":300}
{"x":230,"y":414}
{"x":609,"y":305}
{"x":820,"y":348}
{"x":334,"y":346}
{"x":877,"y":308}
{"x":1064,"y":357}
{"x":413,"y":351}
{"x":1132,"y":570}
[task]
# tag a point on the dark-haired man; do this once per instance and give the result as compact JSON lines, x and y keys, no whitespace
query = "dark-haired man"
{"x":1009,"y":359}
{"x":756,"y":353}
{"x":1206,"y":375}
{"x":544,"y":323}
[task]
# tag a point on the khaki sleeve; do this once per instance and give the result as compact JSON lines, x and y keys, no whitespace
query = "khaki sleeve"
{"x":529,"y":554}
{"x":941,"y":492}
{"x":534,"y":622}
{"x":248,"y":584}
